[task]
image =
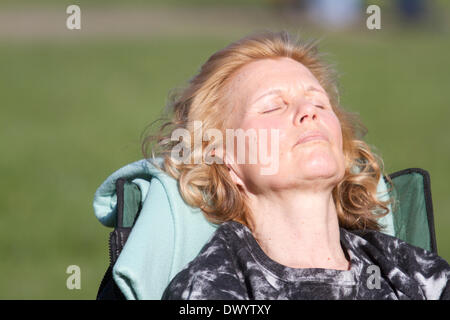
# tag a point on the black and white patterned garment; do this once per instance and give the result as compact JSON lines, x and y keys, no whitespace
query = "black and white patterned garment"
{"x":232,"y":265}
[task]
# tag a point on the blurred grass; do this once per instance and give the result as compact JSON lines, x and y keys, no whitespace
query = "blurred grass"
{"x":134,"y":3}
{"x":72,"y":113}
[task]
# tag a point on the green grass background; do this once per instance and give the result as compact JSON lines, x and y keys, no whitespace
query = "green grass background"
{"x":72,"y":113}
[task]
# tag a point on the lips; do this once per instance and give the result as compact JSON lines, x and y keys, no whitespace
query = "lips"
{"x":311,"y":136}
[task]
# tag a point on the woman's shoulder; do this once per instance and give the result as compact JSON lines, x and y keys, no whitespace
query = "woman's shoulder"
{"x":400,"y":259}
{"x":212,"y":274}
{"x":218,"y":253}
{"x":391,"y":246}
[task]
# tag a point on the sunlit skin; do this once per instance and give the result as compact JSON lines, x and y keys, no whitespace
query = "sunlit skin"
{"x":294,"y":213}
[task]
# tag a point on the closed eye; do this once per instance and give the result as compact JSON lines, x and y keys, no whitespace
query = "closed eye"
{"x":271,"y":110}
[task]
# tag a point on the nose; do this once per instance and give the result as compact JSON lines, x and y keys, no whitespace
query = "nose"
{"x":306,"y":111}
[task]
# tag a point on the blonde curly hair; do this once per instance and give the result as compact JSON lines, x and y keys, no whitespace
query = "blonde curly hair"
{"x":209,"y":185}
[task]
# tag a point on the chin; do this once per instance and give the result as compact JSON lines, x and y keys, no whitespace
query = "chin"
{"x":321,"y":170}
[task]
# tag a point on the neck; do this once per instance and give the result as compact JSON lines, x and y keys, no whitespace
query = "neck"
{"x":299,"y":229}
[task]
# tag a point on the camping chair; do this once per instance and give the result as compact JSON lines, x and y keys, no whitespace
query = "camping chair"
{"x":411,"y":221}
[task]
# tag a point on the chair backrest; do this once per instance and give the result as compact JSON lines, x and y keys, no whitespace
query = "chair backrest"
{"x":128,"y":208}
{"x":413,"y":208}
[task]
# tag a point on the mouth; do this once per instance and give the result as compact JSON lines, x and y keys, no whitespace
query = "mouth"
{"x":311,"y":136}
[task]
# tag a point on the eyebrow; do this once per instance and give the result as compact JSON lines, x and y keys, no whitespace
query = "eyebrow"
{"x":273,"y":91}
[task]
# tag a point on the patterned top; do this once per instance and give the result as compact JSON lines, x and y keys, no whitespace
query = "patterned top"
{"x":232,"y":265}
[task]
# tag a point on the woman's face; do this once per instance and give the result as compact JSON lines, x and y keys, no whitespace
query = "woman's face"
{"x":283,"y":95}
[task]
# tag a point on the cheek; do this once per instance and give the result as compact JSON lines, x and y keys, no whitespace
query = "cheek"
{"x":334,"y":126}
{"x":263,"y":123}
{"x":335,"y":131}
{"x":270,"y":127}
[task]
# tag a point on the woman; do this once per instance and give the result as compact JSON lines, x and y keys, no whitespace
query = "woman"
{"x":307,"y":230}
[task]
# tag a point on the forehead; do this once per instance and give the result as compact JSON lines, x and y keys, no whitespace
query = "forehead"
{"x":261,"y":74}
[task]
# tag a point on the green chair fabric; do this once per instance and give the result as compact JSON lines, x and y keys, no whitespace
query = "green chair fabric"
{"x":413,"y":209}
